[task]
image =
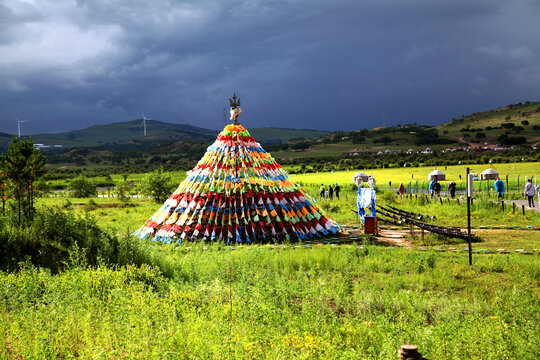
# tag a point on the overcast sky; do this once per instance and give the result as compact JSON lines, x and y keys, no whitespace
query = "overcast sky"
{"x":321,"y":64}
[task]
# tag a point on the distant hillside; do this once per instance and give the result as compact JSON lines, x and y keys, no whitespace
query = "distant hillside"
{"x":516,"y":120}
{"x":270,"y":135}
{"x":124,"y":132}
{"x":516,"y":124}
{"x":129,"y":135}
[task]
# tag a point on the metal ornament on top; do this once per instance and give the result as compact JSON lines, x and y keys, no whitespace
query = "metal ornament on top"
{"x":235,"y":108}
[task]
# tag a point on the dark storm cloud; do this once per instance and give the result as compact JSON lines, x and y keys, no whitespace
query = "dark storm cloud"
{"x":304,"y":64}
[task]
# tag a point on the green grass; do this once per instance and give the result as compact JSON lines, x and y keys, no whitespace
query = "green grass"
{"x":412,"y":174}
{"x":284,"y":301}
{"x":278,"y":303}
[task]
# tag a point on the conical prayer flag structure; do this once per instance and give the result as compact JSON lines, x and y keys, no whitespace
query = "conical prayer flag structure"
{"x":237,"y":193}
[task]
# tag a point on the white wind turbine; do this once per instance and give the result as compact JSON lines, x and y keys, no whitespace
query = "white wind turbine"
{"x":19,"y":125}
{"x":143,"y":124}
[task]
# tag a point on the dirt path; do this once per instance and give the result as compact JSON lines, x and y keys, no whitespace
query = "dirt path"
{"x":394,"y":237}
{"x":519,"y":203}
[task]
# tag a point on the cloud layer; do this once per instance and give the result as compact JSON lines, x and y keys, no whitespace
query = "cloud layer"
{"x":303,"y":64}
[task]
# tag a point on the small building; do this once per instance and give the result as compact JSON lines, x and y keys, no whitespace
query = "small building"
{"x":489,"y":174}
{"x":436,"y":175}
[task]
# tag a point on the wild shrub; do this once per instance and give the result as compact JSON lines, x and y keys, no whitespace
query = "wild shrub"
{"x":82,"y":187}
{"x":57,"y":240}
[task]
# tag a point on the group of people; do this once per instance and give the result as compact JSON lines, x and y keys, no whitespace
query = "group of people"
{"x":329,"y":192}
{"x":435,"y":189}
{"x":528,"y":191}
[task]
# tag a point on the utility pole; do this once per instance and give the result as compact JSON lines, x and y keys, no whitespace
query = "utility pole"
{"x":469,"y":195}
{"x":224,"y":116}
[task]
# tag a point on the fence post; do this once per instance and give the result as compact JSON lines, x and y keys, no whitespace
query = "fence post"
{"x":440,"y":198}
{"x":523,"y":209}
{"x":502,"y":204}
{"x":513,"y":208}
{"x":409,"y":352}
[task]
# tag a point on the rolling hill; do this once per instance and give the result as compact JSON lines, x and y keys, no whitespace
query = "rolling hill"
{"x":516,"y":124}
{"x":129,"y":135}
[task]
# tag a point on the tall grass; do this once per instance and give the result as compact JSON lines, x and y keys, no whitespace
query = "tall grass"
{"x":277,"y":302}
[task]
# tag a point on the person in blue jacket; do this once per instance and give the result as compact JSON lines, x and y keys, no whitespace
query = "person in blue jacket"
{"x":499,"y":187}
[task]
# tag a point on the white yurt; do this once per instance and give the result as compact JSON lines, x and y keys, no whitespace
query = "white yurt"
{"x":361,"y":175}
{"x":489,"y":174}
{"x":436,"y":175}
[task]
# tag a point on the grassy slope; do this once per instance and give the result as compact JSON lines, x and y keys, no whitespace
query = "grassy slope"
{"x":404,"y":141}
{"x":268,"y":134}
{"x":117,"y":132}
{"x":495,"y":118}
{"x":130,"y":131}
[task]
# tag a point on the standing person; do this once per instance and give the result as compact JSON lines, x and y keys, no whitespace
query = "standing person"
{"x":452,"y":189}
{"x":437,"y":188}
{"x":337,"y":188}
{"x":326,"y":194}
{"x":322,"y":189}
{"x":401,"y":190}
{"x":431,"y":189}
{"x":529,"y":192}
{"x":331,"y":192}
{"x":499,"y":187}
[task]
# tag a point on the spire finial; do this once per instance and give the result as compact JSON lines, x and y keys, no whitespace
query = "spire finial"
{"x":235,"y":108}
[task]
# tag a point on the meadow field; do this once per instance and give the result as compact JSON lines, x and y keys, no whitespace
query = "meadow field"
{"x":276,"y":302}
{"x":339,"y":300}
{"x":413,"y":174}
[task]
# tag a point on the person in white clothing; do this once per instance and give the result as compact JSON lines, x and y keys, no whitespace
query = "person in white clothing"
{"x":529,"y":192}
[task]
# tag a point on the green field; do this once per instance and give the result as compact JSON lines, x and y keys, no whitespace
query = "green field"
{"x":279,"y":302}
{"x":285,"y":301}
{"x":413,"y":174}
{"x":110,"y":212}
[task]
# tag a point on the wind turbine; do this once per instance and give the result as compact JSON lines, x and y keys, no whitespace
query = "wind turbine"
{"x":19,"y":125}
{"x":143,"y":124}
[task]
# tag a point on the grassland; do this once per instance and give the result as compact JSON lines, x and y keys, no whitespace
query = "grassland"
{"x":486,"y":212}
{"x":287,"y":301}
{"x":412,"y":174}
{"x":279,"y":302}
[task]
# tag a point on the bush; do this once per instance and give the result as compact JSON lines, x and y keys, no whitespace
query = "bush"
{"x":121,"y":190}
{"x":511,"y":140}
{"x":157,"y":185}
{"x":58,"y":239}
{"x":82,"y":187}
